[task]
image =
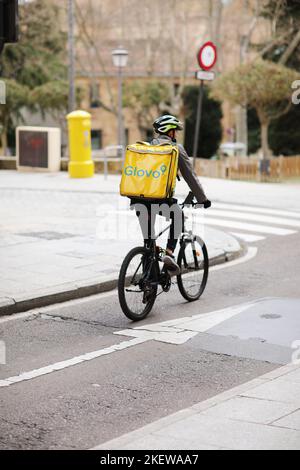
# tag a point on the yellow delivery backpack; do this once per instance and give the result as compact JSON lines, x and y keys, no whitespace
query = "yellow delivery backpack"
{"x":149,"y":171}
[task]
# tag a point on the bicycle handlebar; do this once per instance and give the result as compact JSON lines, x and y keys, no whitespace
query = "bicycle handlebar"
{"x":189,"y":200}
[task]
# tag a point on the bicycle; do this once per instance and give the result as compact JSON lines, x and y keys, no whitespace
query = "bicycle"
{"x":141,"y":276}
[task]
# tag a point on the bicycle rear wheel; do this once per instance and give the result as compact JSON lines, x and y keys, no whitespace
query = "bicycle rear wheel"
{"x":194,"y":265}
{"x":136,"y":288}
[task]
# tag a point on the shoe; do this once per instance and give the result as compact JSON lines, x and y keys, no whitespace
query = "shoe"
{"x":171,"y":265}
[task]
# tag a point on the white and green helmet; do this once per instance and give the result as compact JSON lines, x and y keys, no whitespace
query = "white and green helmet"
{"x":166,"y":123}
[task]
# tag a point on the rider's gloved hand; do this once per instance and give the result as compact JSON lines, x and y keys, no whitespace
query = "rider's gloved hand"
{"x":207,"y":204}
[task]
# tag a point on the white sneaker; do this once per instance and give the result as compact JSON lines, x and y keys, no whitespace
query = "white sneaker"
{"x":171,"y":265}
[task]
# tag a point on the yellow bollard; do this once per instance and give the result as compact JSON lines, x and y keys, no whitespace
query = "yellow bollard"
{"x":81,"y":164}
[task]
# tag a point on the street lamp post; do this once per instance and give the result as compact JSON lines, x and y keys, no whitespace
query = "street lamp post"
{"x":120,"y":58}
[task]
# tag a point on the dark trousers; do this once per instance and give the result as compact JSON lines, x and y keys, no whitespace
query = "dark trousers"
{"x":147,"y":213}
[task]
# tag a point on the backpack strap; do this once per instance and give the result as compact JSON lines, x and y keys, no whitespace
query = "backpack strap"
{"x":140,"y":142}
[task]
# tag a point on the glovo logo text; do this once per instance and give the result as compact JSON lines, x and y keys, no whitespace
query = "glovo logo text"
{"x":134,"y":171}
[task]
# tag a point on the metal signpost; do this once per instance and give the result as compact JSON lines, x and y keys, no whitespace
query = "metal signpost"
{"x":207,"y":57}
{"x":120,"y":58}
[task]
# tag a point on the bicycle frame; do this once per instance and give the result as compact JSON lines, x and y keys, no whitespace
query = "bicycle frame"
{"x":184,"y":233}
{"x":150,"y":245}
{"x":149,"y":275}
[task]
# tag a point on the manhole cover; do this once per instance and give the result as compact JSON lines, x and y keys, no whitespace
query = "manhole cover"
{"x":47,"y":235}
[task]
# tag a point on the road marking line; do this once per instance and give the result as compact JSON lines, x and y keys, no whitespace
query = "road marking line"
{"x":70,"y":362}
{"x":160,"y":332}
{"x":248,"y":227}
{"x":180,"y":330}
{"x":251,"y":253}
{"x":248,"y":237}
{"x":176,"y":332}
{"x":254,"y":217}
{"x":230,"y":207}
{"x":258,"y":210}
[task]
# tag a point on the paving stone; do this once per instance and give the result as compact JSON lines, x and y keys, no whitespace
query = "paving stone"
{"x":293,"y":376}
{"x":279,"y":390}
{"x":251,"y":410}
{"x":6,"y":301}
{"x":292,"y":421}
{"x":167,"y":443}
{"x":232,"y":434}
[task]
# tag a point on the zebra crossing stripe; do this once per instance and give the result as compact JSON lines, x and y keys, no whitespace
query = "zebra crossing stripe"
{"x":208,"y":218}
{"x":248,"y":237}
{"x":254,"y":217}
{"x":248,"y":227}
{"x":258,"y":210}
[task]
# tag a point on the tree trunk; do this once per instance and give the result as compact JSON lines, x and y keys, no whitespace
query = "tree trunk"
{"x":245,"y":40}
{"x":291,"y":48}
{"x":4,"y":141}
{"x":242,"y":128}
{"x":265,"y":140}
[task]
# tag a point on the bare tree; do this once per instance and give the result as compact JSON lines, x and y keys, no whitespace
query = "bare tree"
{"x":86,"y":33}
{"x":278,"y":36}
{"x":251,"y":12}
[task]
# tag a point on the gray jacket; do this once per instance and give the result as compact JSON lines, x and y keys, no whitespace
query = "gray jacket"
{"x":186,"y":169}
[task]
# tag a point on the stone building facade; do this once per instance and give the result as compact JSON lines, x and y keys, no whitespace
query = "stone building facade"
{"x":162,"y":38}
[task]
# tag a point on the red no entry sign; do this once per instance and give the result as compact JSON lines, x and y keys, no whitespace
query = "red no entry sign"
{"x":207,"y":56}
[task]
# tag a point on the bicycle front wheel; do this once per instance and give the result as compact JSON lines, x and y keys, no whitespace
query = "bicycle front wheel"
{"x":136,"y":287}
{"x":194,"y":266}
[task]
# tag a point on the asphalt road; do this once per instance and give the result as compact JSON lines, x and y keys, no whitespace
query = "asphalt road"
{"x":81,"y":406}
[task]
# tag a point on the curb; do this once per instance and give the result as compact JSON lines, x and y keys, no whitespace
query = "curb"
{"x":59,"y":294}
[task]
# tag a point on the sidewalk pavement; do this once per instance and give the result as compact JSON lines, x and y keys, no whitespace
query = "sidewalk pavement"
{"x":62,"y":238}
{"x":263,"y":414}
{"x":272,"y":195}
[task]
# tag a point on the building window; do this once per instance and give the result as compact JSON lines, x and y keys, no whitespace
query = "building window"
{"x":95,"y":95}
{"x":96,"y":135}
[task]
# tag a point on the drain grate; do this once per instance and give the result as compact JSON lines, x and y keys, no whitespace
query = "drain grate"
{"x":47,"y":235}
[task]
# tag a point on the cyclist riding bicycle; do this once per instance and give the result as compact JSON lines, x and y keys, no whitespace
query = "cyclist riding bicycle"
{"x":166,"y":128}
